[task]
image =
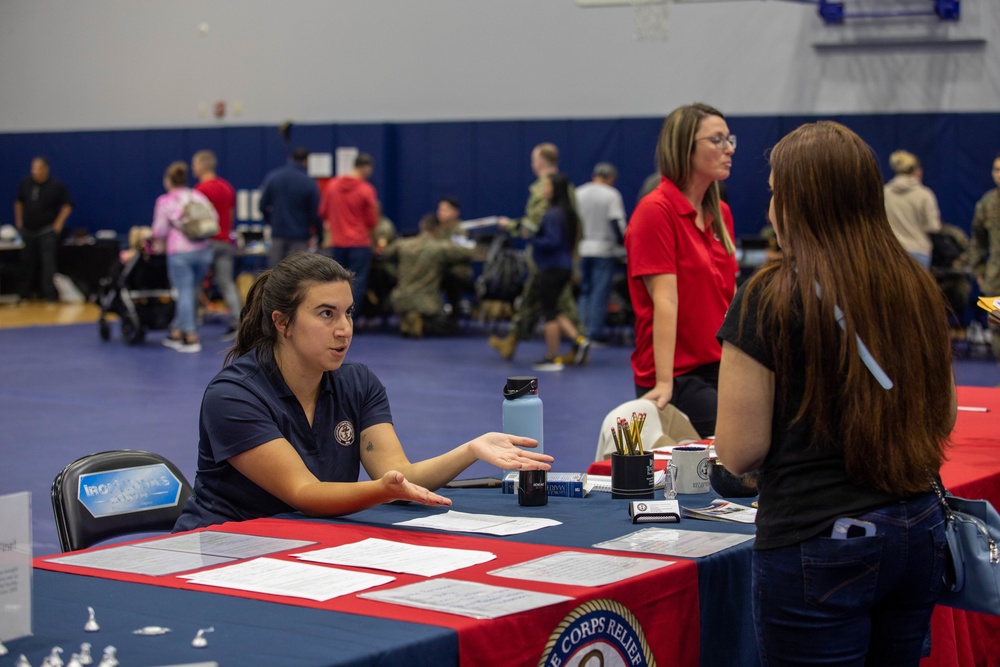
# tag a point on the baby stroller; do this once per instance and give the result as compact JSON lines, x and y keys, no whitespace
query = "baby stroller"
{"x":139,"y":293}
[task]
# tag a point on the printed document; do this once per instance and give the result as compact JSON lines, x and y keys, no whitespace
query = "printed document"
{"x":465,"y":598}
{"x":391,"y":556}
{"x":139,"y":560}
{"x":489,"y":524}
{"x":231,"y":545}
{"x":576,"y":568}
{"x":280,"y":577}
{"x":671,"y":542}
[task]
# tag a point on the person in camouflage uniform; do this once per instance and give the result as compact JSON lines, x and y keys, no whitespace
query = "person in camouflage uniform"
{"x":544,"y":162}
{"x":984,"y":249}
{"x":423,"y":261}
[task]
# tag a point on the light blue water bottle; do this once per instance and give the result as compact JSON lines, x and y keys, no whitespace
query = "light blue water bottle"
{"x":522,"y":409}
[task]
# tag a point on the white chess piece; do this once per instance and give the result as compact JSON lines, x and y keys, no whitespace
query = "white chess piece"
{"x":85,"y":657}
{"x":3,"y":649}
{"x":199,"y":640}
{"x":91,"y":624}
{"x":54,"y":658}
{"x":110,"y":658}
{"x":74,"y":661}
{"x":22,"y":662}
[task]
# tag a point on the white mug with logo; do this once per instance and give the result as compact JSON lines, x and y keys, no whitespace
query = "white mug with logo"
{"x":691,"y":462}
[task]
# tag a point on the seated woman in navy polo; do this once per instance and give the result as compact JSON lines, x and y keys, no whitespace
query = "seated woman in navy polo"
{"x":287,"y":425}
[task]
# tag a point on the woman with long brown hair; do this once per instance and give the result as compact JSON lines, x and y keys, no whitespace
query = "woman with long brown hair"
{"x":836,"y":384}
{"x":682,"y":266}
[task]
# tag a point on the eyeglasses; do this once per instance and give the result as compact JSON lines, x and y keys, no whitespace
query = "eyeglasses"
{"x":718,"y":140}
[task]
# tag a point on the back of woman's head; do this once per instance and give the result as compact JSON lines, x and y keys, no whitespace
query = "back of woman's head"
{"x":827,"y":190}
{"x":840,"y":252}
{"x":177,"y":174}
{"x":280,"y":289}
{"x":903,"y":162}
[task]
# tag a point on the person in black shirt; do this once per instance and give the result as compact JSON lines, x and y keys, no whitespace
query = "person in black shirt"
{"x":40,"y":211}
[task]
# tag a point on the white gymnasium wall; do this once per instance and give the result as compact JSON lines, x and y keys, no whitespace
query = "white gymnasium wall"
{"x":91,"y":64}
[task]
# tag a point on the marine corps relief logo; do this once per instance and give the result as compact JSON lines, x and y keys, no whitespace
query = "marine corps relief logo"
{"x":344,"y":433}
{"x":599,"y":633}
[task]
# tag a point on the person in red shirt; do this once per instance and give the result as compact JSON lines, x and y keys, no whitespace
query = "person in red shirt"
{"x":682,"y":266}
{"x":350,"y":210}
{"x":223,"y":197}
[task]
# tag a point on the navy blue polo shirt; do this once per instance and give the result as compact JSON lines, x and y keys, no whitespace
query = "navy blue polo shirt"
{"x":246,"y":406}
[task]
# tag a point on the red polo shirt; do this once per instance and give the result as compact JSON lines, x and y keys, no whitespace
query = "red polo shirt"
{"x":223,"y":197}
{"x":662,"y":238}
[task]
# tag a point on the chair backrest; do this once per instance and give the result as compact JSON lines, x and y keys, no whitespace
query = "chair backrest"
{"x":663,"y":428}
{"x":108,"y":494}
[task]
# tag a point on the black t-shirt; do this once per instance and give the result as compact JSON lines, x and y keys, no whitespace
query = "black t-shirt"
{"x":42,"y":202}
{"x":803,"y":484}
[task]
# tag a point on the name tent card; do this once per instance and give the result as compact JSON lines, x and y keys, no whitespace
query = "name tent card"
{"x":15,"y":566}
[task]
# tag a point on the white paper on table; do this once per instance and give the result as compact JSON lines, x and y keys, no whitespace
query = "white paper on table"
{"x":465,"y":598}
{"x":576,"y":568}
{"x":377,"y":554}
{"x":230,"y":545}
{"x":489,"y":524}
{"x":137,"y":560}
{"x":281,"y":577}
{"x":671,"y":542}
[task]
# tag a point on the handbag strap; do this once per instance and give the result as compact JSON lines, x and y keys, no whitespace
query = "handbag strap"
{"x":938,"y":489}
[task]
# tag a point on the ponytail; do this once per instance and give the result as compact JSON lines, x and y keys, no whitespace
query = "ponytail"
{"x":255,"y":330}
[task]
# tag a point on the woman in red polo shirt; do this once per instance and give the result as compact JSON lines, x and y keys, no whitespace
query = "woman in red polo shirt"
{"x":682,"y":266}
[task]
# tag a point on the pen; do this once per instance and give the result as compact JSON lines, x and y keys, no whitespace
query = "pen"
{"x":966,"y":408}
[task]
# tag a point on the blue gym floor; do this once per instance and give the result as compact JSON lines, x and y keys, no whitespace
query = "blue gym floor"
{"x":65,"y":393}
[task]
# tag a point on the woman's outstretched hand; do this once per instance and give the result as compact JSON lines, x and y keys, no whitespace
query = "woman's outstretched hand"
{"x":399,"y":488}
{"x":504,"y":451}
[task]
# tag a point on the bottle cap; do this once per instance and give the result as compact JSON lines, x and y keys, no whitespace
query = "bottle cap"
{"x":519,"y":385}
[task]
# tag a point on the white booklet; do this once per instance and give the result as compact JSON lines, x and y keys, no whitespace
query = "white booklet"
{"x":722,"y":510}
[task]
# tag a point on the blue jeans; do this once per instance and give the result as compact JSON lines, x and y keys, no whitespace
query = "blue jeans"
{"x":857,"y":601}
{"x":596,"y":275}
{"x":186,"y":271}
{"x":358,"y":260}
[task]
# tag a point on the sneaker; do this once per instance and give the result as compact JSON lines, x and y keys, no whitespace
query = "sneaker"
{"x":547,"y":365}
{"x":189,"y":347}
{"x":582,"y":354}
{"x":172,"y":343}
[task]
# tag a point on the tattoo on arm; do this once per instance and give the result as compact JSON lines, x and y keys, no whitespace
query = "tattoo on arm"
{"x":367,"y":443}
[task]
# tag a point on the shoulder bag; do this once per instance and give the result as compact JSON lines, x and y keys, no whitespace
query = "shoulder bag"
{"x":972,"y":576}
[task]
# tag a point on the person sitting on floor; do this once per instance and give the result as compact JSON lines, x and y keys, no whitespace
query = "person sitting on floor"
{"x":424,"y":260}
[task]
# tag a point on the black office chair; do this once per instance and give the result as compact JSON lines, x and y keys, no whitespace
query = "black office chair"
{"x":109,"y":494}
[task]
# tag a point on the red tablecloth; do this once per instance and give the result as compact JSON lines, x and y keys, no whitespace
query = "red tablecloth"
{"x":959,"y":638}
{"x":660,"y":600}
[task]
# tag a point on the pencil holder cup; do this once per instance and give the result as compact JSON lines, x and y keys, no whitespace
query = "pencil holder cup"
{"x":632,"y":476}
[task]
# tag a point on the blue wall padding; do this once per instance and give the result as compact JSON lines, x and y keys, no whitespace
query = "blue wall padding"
{"x":114,"y":176}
